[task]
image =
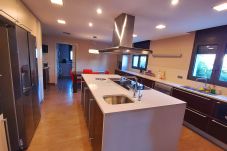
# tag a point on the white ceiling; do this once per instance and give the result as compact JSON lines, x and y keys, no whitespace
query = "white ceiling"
{"x":189,"y":15}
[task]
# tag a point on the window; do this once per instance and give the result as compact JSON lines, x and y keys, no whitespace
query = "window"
{"x":124,"y":65}
{"x":223,"y":74}
{"x":71,"y":55}
{"x":206,"y":64}
{"x":139,"y":62}
{"x":135,"y":61}
{"x":204,"y":61}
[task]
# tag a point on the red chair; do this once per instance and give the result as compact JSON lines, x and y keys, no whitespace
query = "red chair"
{"x":87,"y":71}
{"x":72,"y":76}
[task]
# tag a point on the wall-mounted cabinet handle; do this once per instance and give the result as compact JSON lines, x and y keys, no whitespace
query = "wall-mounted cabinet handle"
{"x":197,"y":113}
{"x":219,"y":123}
{"x":7,"y":133}
{"x":193,"y":94}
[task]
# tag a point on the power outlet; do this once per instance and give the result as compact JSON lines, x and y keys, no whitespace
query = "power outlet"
{"x":180,"y":77}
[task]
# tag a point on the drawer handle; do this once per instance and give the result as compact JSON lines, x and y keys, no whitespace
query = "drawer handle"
{"x":197,"y":113}
{"x":194,"y":94}
{"x":219,"y":123}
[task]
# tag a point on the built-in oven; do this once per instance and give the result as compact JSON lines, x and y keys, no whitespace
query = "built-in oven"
{"x":163,"y":88}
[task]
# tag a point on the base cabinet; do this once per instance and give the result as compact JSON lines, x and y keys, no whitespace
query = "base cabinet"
{"x":197,"y":119}
{"x":194,"y":101}
{"x":204,"y":113}
{"x":96,"y":141}
{"x":217,"y":130}
{"x":94,"y":118}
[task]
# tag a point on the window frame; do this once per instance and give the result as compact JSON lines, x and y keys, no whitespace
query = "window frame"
{"x":138,"y":65}
{"x":216,"y":72}
{"x":219,"y":68}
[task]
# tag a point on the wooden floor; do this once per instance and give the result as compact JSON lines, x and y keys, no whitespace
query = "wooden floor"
{"x":62,"y":126}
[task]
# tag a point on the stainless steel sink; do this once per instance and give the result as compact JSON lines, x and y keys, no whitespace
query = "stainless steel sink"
{"x":117,"y":99}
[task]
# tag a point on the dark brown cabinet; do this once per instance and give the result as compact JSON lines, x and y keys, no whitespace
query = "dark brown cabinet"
{"x":93,"y":116}
{"x":207,"y":114}
{"x":45,"y":77}
{"x":220,"y":112}
{"x":217,"y":130}
{"x":194,"y":101}
{"x":197,"y":119}
{"x":146,"y":82}
{"x":98,"y":128}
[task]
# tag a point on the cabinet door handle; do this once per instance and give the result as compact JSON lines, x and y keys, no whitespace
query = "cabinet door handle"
{"x":7,"y":133}
{"x":193,"y":94}
{"x":219,"y":123}
{"x":196,"y":113}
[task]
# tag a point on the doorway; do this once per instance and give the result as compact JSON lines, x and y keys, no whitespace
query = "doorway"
{"x":64,"y":60}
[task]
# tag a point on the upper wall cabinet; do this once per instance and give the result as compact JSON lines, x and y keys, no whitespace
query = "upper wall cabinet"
{"x":15,"y":11}
{"x":142,"y":44}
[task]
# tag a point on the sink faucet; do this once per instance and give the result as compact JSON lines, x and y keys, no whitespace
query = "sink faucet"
{"x":204,"y":80}
{"x":134,"y":88}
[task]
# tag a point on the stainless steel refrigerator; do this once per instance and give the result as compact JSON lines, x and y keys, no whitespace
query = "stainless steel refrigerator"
{"x":19,"y":100}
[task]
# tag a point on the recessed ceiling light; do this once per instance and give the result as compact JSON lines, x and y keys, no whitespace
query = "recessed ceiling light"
{"x":174,"y":2}
{"x":134,"y":35}
{"x":99,"y":11}
{"x":90,"y":24}
{"x":160,"y":26}
{"x":57,"y":2}
{"x":220,"y":7}
{"x":60,"y":21}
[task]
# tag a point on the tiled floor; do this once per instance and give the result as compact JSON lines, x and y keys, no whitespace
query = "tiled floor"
{"x":62,"y":126}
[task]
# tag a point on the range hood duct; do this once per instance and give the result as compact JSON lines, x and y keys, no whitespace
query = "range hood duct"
{"x":122,"y":41}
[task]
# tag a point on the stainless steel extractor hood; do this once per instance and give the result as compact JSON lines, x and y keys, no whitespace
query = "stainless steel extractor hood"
{"x":123,"y":37}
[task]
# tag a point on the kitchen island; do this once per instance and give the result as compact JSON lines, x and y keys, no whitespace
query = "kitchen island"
{"x":152,"y":124}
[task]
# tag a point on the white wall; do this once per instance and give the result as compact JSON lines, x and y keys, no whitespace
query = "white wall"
{"x":17,"y":10}
{"x":83,"y":59}
{"x":174,"y":66}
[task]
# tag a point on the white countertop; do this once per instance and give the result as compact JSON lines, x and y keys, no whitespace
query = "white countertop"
{"x":216,"y":97}
{"x":150,"y":99}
